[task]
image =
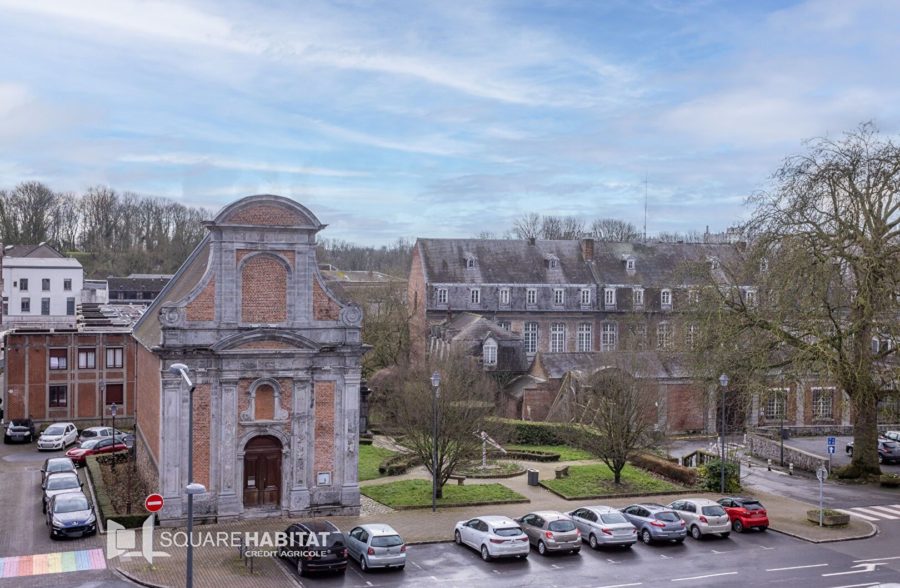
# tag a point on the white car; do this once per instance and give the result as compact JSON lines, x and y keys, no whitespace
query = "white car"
{"x":703,"y":517}
{"x":95,"y":432}
{"x":58,"y":436}
{"x":493,"y":536}
{"x":604,"y":525}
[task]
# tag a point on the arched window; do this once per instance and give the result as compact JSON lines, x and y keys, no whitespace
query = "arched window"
{"x":489,"y":352}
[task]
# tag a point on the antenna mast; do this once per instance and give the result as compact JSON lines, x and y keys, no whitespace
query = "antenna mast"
{"x":645,"y":207}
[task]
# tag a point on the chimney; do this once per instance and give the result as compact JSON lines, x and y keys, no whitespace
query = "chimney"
{"x":587,"y":249}
{"x":531,"y":240}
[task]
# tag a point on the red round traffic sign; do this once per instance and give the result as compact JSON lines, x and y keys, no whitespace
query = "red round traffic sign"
{"x":154,"y":502}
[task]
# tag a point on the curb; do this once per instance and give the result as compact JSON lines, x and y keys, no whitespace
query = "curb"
{"x":817,"y":541}
{"x":136,"y":580}
{"x":609,"y":496}
{"x":468,"y":504}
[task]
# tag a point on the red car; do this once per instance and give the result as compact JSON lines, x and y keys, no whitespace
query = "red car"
{"x":745,"y":513}
{"x":95,"y":447}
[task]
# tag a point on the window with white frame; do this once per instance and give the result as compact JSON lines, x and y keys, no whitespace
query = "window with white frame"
{"x":471,"y":262}
{"x":692,"y":335}
{"x":505,"y":325}
{"x":637,"y":297}
{"x":776,"y":401}
{"x":609,"y":297}
{"x":23,"y":284}
{"x":553,"y":262}
{"x":665,"y":298}
{"x":693,"y":296}
{"x":876,"y":344}
{"x":559,"y":296}
{"x":531,"y":296}
{"x":504,"y":296}
{"x":609,"y":337}
{"x":629,"y":264}
{"x":475,"y":295}
{"x":664,"y":336}
{"x":585,"y":333}
{"x":585,"y":297}
{"x":750,"y":297}
{"x":531,"y":337}
{"x":639,"y":332}
{"x":489,"y":352}
{"x":823,"y":403}
{"x":442,"y":296}
{"x":557,"y":337}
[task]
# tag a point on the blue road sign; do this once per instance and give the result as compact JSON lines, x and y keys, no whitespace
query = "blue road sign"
{"x":831,"y":449}
{"x":832,"y":441}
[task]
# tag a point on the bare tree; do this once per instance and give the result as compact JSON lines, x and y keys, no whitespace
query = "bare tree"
{"x":527,"y":226}
{"x":614,"y":230}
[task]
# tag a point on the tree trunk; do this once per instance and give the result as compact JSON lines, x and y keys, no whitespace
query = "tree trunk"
{"x":617,"y":473}
{"x":865,"y":430}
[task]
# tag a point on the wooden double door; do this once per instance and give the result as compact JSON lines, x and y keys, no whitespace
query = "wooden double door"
{"x":262,"y":472}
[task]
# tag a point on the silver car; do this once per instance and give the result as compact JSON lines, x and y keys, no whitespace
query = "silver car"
{"x":703,"y":517}
{"x":376,"y":546}
{"x":59,"y":483}
{"x":604,"y":525}
{"x":493,"y":536}
{"x":656,"y":522}
{"x":549,"y":530}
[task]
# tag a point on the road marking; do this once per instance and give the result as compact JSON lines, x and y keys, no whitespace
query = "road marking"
{"x":417,"y":565}
{"x":555,"y":567}
{"x":859,"y":585}
{"x":857,"y":514}
{"x":496,"y":571}
{"x":796,"y":568}
{"x":664,"y":556}
{"x":873,"y":513}
{"x":766,"y":548}
{"x":867,"y":567}
{"x":876,"y":559}
{"x":368,"y":583}
{"x":704,"y":577}
{"x":52,"y":563}
{"x":887,"y":509}
{"x":621,"y":585}
{"x":612,"y":561}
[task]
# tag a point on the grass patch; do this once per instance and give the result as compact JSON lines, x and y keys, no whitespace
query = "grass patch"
{"x":406,"y":494}
{"x":370,"y":457}
{"x":597,"y":480}
{"x":565,"y":452}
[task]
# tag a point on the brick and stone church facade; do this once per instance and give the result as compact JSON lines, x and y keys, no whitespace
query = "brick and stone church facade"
{"x":275,"y":357}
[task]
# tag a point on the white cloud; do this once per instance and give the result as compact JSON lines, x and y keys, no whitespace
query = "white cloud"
{"x":193,"y":159}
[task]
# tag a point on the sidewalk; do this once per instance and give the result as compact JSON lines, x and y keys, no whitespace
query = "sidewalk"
{"x":215,"y":567}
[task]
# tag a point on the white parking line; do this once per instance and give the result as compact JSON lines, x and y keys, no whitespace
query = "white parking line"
{"x":555,"y":567}
{"x":704,"y":577}
{"x":417,"y":565}
{"x":874,"y":513}
{"x":621,"y":585}
{"x":664,"y":556}
{"x":857,"y":514}
{"x":766,"y":548}
{"x":876,"y":559}
{"x":859,"y":585}
{"x":796,"y":568}
{"x":612,"y":561}
{"x":888,"y":509}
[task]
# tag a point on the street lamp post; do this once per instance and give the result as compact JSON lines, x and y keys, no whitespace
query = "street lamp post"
{"x":112,"y":412}
{"x":723,"y":382}
{"x":435,"y":397}
{"x":191,"y":488}
{"x":783,"y":408}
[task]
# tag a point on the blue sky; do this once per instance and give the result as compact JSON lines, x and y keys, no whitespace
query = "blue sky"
{"x":398,"y":119}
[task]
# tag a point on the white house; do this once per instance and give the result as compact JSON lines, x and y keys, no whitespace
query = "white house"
{"x":40,"y":287}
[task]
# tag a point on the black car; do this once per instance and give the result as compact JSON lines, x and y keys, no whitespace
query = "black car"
{"x":71,"y":515}
{"x":54,"y":465}
{"x":19,"y":430}
{"x":315,"y":546}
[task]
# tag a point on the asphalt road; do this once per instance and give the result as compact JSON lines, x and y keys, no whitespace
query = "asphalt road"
{"x":818,"y":446}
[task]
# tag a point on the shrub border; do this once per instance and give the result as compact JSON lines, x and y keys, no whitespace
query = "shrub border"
{"x":102,"y":503}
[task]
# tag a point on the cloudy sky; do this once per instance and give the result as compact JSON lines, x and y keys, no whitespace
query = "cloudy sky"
{"x":412,"y":118}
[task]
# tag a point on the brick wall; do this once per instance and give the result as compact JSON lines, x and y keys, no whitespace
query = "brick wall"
{"x":536,"y":402}
{"x":324,"y":308}
{"x":324,"y":427}
{"x":266,"y":345}
{"x":265,"y":403}
{"x":685,"y":407}
{"x":263,"y":290}
{"x":202,"y":418}
{"x":265,"y":214}
{"x":203,"y":307}
{"x":148,"y":397}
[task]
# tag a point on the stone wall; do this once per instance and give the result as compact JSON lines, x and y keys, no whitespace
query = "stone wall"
{"x":820,"y":430}
{"x":764,"y":448}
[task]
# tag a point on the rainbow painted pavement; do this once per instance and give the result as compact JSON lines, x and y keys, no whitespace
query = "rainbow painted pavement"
{"x":52,"y":563}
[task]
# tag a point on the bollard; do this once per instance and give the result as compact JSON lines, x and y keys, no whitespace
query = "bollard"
{"x":769,"y":464}
{"x":790,"y":469}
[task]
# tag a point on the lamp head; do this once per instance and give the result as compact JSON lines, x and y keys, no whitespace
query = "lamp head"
{"x":723,"y":380}
{"x":177,"y":368}
{"x":436,"y":379}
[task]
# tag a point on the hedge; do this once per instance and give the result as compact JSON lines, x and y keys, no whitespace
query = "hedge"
{"x":665,"y":468}
{"x":398,"y":464}
{"x":531,"y":455}
{"x":534,"y":433}
{"x":104,"y":506}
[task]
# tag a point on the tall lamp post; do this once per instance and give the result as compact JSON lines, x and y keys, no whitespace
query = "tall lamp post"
{"x":783,"y":408}
{"x":112,"y":411}
{"x":191,"y":488}
{"x":723,"y":382}
{"x":435,"y":397}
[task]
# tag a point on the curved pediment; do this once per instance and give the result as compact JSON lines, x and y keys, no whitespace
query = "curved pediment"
{"x":266,"y":340}
{"x":268,"y":210}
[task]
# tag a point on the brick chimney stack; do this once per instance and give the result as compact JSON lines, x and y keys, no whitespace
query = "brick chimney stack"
{"x":587,"y":249}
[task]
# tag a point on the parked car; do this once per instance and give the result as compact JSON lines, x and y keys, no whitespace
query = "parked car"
{"x":745,"y":513}
{"x":892,"y":435}
{"x":96,"y":446}
{"x":888,"y":451}
{"x":95,"y":432}
{"x":703,"y":517}
{"x":549,"y":530}
{"x":656,"y":522}
{"x":53,"y":465}
{"x":19,"y":430}
{"x":59,"y":483}
{"x":58,"y":436}
{"x":493,"y":536}
{"x":604,"y":525}
{"x":316,"y":546}
{"x":71,"y":515}
{"x":376,"y":546}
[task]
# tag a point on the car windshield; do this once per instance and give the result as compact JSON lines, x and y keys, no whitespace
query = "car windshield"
{"x":15,"y":427}
{"x":90,"y":443}
{"x":72,"y":503}
{"x":712,"y":511}
{"x":387,"y":541}
{"x":59,"y":465}
{"x":89,"y":433}
{"x":508,"y":531}
{"x":752,"y":505}
{"x":62,"y":482}
{"x":613,"y":518}
{"x":890,"y":444}
{"x":669,"y":517}
{"x":562,"y":526}
{"x":55,"y":430}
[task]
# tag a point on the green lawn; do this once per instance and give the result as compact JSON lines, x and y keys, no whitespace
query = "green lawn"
{"x":565,"y":452}
{"x":370,"y":457}
{"x":597,"y":480}
{"x":406,"y":494}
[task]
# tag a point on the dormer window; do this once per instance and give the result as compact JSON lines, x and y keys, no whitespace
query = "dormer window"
{"x":637,"y":297}
{"x":585,"y":297}
{"x":629,"y":264}
{"x":750,"y":297}
{"x":489,"y":352}
{"x":713,"y":263}
{"x":531,"y":296}
{"x":442,"y":296}
{"x":504,"y":296}
{"x":471,"y":261}
{"x":665,"y":298}
{"x":609,"y":297}
{"x":475,"y":295}
{"x":552,"y":262}
{"x":559,"y":296}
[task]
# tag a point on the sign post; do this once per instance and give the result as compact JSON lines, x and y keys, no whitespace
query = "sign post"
{"x":832,"y":447}
{"x":153,"y":503}
{"x":822,"y":475}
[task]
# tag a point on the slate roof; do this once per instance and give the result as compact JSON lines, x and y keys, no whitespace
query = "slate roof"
{"x":42,"y":262}
{"x":642,"y":364}
{"x":138,"y":283}
{"x":503,"y":261}
{"x":656,"y":265}
{"x":467,"y":326}
{"x":40,"y":251}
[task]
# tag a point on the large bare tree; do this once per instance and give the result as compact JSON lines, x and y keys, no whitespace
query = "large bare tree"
{"x":614,"y":230}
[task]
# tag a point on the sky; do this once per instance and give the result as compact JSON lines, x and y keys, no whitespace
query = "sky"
{"x":404,"y":119}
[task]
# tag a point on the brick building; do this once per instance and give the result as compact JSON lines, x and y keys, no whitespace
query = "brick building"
{"x":276,"y":362}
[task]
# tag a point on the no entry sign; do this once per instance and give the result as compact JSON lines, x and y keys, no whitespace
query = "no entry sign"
{"x":153,"y":503}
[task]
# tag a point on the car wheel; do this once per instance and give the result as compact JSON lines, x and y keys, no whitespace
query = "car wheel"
{"x":880,"y":459}
{"x":724,"y":535}
{"x":695,"y":533}
{"x":592,"y":541}
{"x":646,"y":537}
{"x":485,"y":554}
{"x":362,"y":563}
{"x":457,"y":538}
{"x":542,"y":549}
{"x":737,"y":526}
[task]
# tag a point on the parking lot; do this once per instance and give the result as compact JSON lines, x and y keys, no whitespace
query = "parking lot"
{"x":818,"y":445}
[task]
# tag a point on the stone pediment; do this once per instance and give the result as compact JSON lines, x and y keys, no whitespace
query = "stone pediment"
{"x":266,"y":340}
